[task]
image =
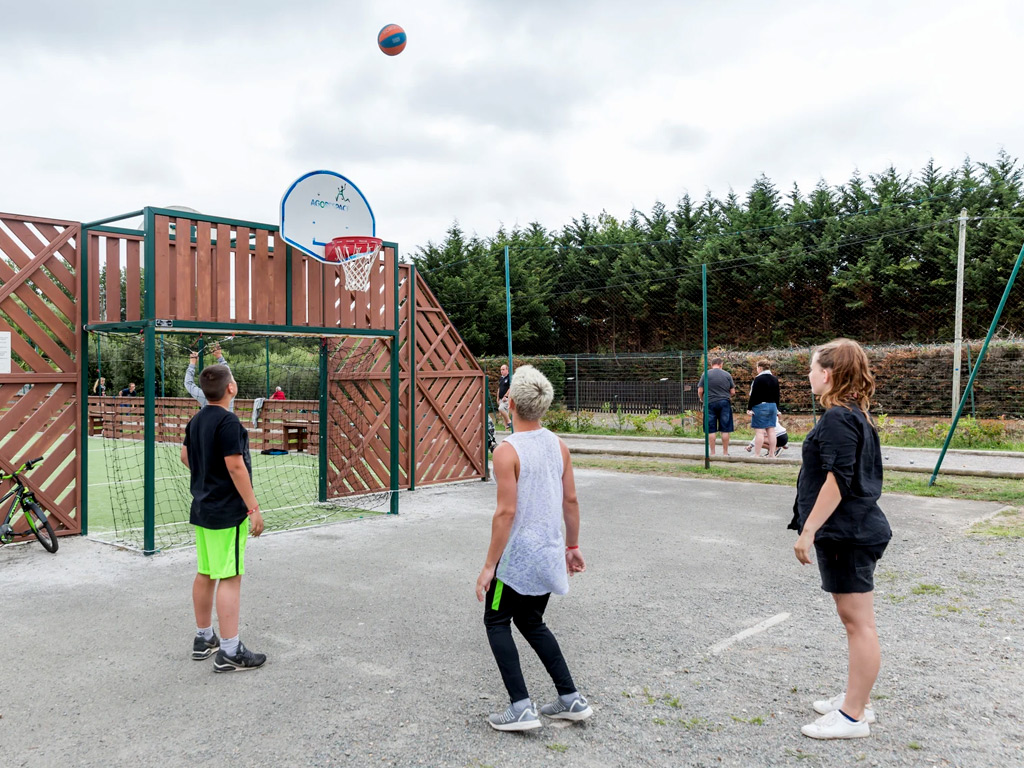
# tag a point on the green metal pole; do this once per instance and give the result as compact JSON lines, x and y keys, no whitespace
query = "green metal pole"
{"x":323,"y":420}
{"x":487,"y":463}
{"x":162,"y":368}
{"x":288,"y":285}
{"x":977,"y":365}
{"x":149,"y":348}
{"x":268,"y":367}
{"x":814,"y":410}
{"x":704,"y":295}
{"x":576,"y":381}
{"x":396,"y":443}
{"x":508,"y":324}
{"x":99,"y":349}
{"x":202,"y":354}
{"x":974,"y":411}
{"x":682,"y":390}
{"x":83,"y":377}
{"x":414,"y":384}
{"x":149,"y":471}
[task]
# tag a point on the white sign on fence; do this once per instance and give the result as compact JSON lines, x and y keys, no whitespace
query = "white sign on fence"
{"x":5,"y":351}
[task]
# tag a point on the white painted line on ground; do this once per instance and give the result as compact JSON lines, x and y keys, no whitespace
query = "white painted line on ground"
{"x":759,"y":627}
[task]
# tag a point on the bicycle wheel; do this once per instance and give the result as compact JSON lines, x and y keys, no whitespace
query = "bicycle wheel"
{"x":41,"y":527}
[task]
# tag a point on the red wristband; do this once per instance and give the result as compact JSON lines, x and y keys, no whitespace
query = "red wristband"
{"x":576,"y":547}
{"x":253,"y":511}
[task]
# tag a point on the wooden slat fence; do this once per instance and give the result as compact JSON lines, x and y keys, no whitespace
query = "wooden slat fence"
{"x":123,"y":418}
{"x":39,"y":415}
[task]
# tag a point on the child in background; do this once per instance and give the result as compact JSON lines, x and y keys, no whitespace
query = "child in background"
{"x":781,"y":439}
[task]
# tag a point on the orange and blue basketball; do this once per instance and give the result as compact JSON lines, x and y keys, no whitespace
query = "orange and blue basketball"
{"x":391,"y":39}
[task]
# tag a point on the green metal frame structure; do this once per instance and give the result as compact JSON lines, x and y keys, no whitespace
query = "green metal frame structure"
{"x":150,"y":324}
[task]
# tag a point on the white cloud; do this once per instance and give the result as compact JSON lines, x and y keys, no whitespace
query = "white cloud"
{"x":496,"y":113}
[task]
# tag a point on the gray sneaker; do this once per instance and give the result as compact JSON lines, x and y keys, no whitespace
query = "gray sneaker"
{"x":509,"y":720}
{"x":577,"y":709}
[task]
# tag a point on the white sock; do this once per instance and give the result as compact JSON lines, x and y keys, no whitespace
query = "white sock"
{"x":229,"y":645}
{"x":205,"y":632}
{"x":569,"y":698}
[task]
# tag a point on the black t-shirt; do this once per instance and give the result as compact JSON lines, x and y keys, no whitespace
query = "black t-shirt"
{"x":503,"y":385}
{"x":844,"y":443}
{"x":126,"y":392}
{"x":210,"y":435}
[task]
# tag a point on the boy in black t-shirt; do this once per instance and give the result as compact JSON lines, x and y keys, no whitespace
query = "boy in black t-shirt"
{"x":216,"y":451}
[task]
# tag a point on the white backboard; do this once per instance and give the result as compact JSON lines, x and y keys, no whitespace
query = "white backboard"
{"x":320,"y":206}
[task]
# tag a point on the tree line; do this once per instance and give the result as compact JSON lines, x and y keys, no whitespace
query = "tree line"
{"x":874,"y":259}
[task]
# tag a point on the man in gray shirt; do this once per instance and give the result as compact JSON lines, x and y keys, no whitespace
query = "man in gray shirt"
{"x":720,"y":388}
{"x":190,"y":375}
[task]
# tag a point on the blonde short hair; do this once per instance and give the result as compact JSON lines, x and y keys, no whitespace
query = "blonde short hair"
{"x":531,"y":392}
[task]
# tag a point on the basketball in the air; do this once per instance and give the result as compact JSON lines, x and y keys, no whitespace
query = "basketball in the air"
{"x":391,"y":39}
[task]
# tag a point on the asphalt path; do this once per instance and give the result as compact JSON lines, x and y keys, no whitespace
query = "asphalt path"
{"x":697,"y":636}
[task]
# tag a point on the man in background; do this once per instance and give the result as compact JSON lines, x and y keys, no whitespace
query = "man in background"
{"x":720,"y":389}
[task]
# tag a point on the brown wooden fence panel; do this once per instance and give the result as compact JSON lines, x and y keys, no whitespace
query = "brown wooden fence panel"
{"x":39,"y":414}
{"x":449,"y":397}
{"x":133,"y":280}
{"x":123,"y":418}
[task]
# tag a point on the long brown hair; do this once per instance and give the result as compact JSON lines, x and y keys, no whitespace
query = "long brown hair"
{"x":851,"y":374}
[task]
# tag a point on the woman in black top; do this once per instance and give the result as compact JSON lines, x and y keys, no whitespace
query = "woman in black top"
{"x":763,"y":407}
{"x":836,"y":511}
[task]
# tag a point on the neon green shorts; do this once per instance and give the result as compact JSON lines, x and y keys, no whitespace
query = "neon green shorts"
{"x":221,"y":552}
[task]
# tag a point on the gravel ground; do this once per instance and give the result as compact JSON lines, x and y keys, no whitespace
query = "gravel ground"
{"x":378,"y":655}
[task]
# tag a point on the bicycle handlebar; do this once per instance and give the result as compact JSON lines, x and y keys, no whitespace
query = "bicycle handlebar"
{"x":23,"y":468}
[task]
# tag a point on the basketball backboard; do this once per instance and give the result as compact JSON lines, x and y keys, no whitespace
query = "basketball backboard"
{"x":320,"y":206}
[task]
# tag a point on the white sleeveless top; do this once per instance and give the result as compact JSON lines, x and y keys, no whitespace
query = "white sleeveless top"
{"x":533,"y":562}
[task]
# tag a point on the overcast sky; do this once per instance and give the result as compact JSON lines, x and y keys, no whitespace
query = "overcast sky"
{"x":498,"y":112}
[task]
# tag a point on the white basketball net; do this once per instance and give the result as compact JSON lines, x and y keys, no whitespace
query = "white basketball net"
{"x":359,"y":256}
{"x":357,"y":271}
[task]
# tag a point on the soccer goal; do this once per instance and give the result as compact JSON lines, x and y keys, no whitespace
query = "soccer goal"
{"x":304,"y":473}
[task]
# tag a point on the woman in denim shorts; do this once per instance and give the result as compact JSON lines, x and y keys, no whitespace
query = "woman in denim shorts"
{"x":763,"y":407}
{"x":836,"y":512}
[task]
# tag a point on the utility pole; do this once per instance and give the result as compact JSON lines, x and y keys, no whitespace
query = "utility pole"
{"x":959,"y":322}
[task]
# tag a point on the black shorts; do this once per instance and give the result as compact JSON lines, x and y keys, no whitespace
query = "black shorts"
{"x":846,"y":567}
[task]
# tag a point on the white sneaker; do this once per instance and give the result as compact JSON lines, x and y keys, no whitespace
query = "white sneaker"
{"x":824,"y":706}
{"x":835,"y":725}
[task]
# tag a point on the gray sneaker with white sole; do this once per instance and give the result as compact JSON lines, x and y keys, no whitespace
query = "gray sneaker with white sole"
{"x":577,"y":709}
{"x":510,"y":720}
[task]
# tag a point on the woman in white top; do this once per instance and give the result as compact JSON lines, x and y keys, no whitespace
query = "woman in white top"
{"x":528,"y":557}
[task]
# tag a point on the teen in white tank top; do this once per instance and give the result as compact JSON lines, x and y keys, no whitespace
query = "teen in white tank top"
{"x":533,"y":562}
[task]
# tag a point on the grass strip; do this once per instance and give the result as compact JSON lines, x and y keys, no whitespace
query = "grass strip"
{"x":1006,"y":491}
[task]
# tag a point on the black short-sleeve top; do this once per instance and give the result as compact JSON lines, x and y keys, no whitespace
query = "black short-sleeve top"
{"x":210,"y":435}
{"x":844,"y":443}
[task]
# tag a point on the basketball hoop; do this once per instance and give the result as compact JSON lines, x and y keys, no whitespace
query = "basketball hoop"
{"x":357,"y":256}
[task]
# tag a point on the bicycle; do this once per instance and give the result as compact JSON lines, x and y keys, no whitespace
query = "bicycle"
{"x":34,"y":515}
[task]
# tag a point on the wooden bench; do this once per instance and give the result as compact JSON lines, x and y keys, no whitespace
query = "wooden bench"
{"x":95,"y":424}
{"x":296,"y":433}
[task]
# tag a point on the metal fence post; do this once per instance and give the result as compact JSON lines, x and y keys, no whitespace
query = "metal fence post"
{"x":704,"y":294}
{"x":323,"y":421}
{"x":576,"y":379}
{"x":959,"y":317}
{"x":508,"y":326}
